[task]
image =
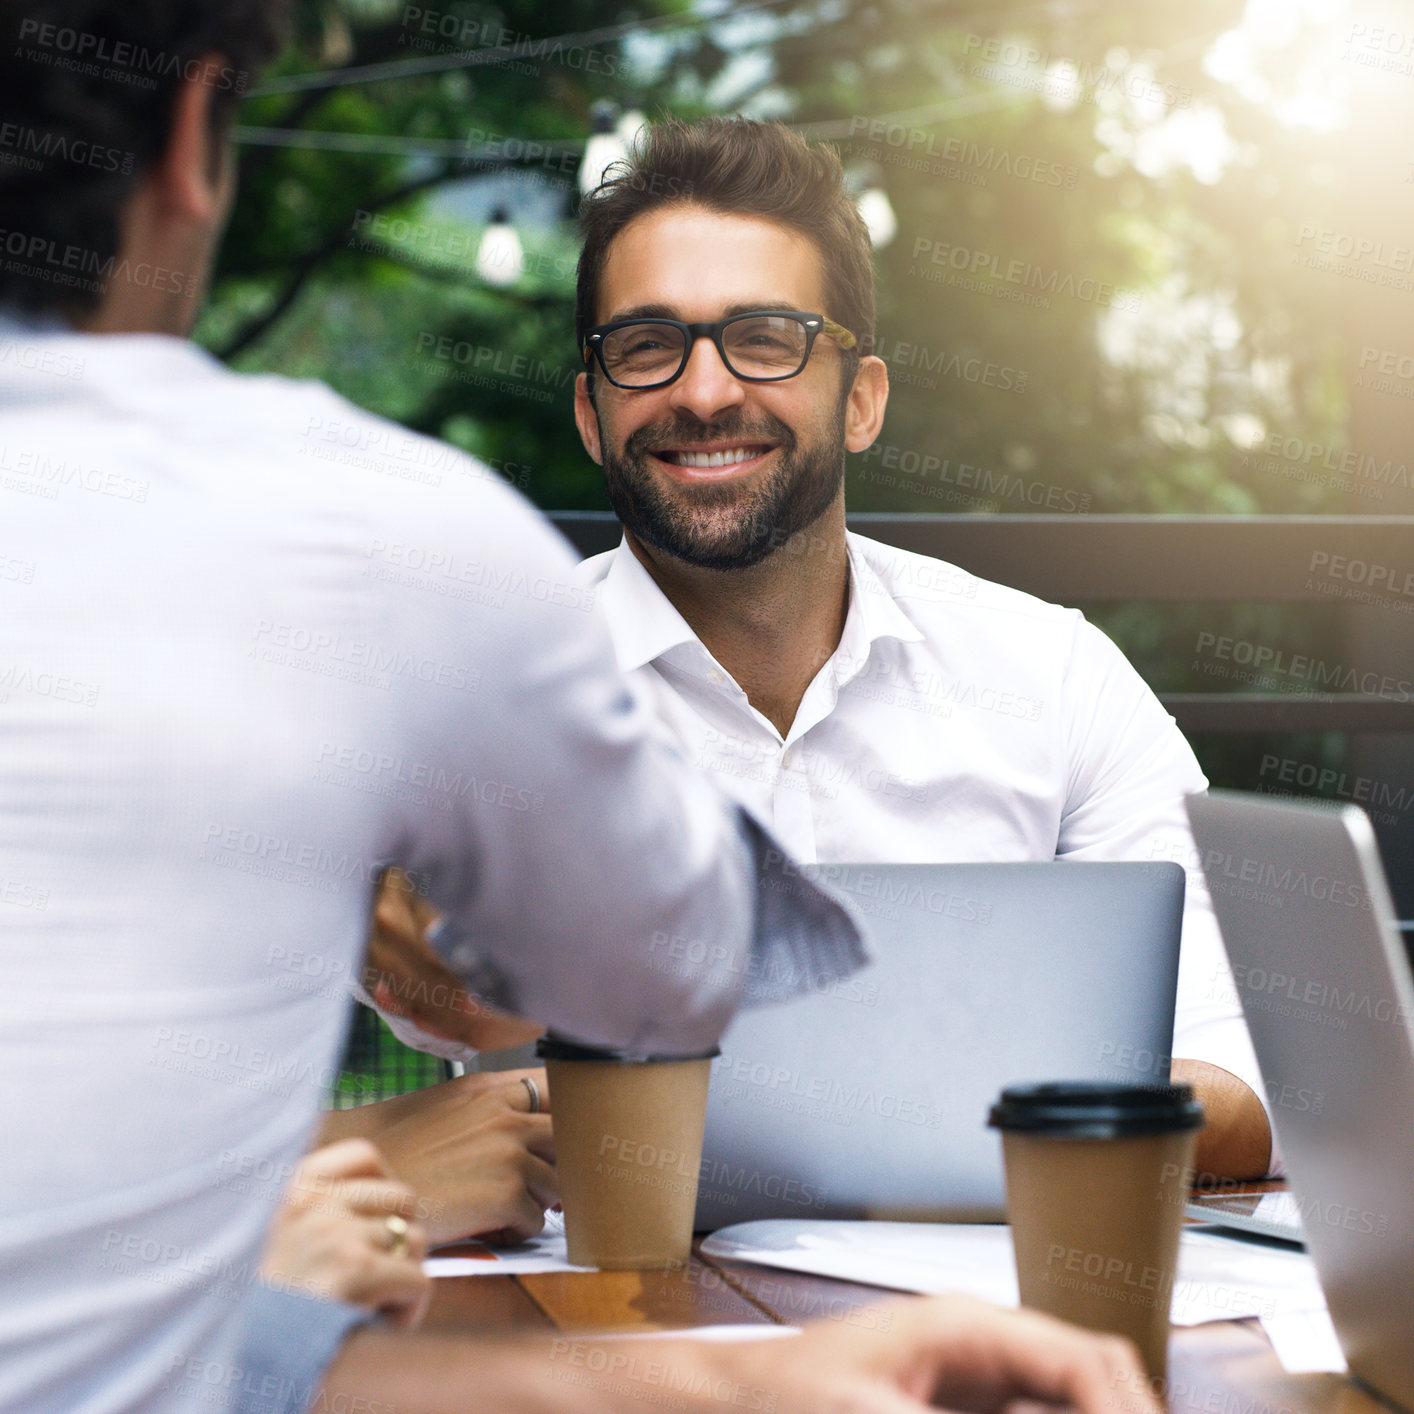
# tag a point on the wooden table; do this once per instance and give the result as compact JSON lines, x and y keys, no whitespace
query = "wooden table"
{"x":1225,"y":1368}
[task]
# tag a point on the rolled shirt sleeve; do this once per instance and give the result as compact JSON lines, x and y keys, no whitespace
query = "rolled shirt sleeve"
{"x":1131,"y":768}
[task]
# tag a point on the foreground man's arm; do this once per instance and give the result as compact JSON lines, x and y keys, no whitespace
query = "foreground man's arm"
{"x":946,"y":1351}
{"x":423,"y":1003}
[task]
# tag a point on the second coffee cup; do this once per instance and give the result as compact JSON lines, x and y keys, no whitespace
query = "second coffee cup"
{"x":628,"y":1148}
{"x":1096,"y":1177}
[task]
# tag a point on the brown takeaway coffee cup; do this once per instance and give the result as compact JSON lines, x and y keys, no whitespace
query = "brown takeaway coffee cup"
{"x":1097,"y":1175}
{"x":628,"y":1149}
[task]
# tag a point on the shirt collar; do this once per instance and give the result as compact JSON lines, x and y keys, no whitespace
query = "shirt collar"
{"x":873,"y":612}
{"x":642,"y":620}
{"x":644,"y":624}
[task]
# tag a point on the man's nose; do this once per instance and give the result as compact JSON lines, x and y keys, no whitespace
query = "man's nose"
{"x":707,"y":385}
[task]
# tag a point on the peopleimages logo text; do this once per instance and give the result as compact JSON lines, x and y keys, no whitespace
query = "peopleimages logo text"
{"x":123,"y":54}
{"x":1283,"y":879}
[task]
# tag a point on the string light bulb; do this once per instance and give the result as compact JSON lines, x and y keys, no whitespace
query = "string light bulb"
{"x":606,"y":145}
{"x":500,"y":260}
{"x":877,"y":210}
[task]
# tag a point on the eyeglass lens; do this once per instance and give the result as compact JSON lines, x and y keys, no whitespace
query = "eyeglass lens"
{"x":762,"y":346}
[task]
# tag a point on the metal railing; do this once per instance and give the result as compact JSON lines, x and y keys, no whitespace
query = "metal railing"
{"x":1073,"y":559}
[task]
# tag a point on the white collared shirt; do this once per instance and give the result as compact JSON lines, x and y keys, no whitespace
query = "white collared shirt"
{"x":254,"y":645}
{"x":957,"y":720}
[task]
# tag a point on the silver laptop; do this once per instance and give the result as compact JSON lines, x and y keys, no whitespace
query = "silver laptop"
{"x":1262,"y":1214}
{"x":869,"y":1097}
{"x":1321,"y":970}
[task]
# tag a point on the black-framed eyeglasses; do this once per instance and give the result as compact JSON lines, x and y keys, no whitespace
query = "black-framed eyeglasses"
{"x":761,"y":346}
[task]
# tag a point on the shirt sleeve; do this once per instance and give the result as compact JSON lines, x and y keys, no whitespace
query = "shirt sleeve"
{"x":1129,"y":769}
{"x":588,"y":876}
{"x":785,"y":956}
{"x":289,"y":1340}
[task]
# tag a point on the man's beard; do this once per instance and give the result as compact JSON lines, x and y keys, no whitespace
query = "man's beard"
{"x":724,"y":527}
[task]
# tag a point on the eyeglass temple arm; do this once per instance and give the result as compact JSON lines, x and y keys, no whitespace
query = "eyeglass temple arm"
{"x":839,"y":333}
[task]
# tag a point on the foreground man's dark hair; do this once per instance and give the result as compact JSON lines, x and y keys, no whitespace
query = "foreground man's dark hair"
{"x":86,"y":94}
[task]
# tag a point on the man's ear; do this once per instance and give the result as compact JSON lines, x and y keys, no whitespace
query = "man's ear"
{"x":864,"y":407}
{"x":586,"y":419}
{"x":192,"y":175}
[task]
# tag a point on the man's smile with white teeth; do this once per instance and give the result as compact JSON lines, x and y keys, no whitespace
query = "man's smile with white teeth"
{"x":709,"y":459}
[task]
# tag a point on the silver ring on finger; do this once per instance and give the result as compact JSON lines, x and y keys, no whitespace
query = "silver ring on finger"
{"x":532,"y":1091}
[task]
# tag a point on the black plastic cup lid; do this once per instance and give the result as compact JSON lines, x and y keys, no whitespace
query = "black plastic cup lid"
{"x":1095,"y":1109}
{"x":560,"y":1048}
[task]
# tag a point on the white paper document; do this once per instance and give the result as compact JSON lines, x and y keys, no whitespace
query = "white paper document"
{"x":975,"y":1258}
{"x":545,"y":1253}
{"x":1305,"y":1342}
{"x":1219,"y":1278}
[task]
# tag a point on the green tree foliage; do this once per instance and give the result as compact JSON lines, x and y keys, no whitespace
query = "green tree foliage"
{"x":1078,"y":312}
{"x":1107,"y":291}
{"x":342,"y":265}
{"x":1089,"y":214}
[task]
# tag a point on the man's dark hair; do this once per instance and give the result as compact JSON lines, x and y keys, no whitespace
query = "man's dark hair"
{"x":86,"y":95}
{"x":741,"y":167}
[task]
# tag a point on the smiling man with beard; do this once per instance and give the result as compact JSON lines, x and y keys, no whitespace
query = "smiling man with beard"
{"x":721,"y":524}
{"x":723,"y":441}
{"x":867,"y":703}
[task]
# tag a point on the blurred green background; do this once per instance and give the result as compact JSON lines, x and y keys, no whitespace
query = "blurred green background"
{"x":1126,"y":275}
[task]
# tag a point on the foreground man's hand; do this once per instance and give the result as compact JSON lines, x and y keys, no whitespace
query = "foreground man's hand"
{"x":404,"y":975}
{"x":332,"y":1235}
{"x":952,"y":1352}
{"x":470,"y":1149}
{"x":947,"y":1351}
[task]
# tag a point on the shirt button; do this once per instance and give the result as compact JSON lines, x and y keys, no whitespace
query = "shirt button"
{"x":715,"y":676}
{"x":788,"y":760}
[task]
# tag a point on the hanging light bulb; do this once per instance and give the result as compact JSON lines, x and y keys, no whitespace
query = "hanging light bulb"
{"x":605,"y":146}
{"x":629,"y":126}
{"x":499,"y":258}
{"x":876,"y":209}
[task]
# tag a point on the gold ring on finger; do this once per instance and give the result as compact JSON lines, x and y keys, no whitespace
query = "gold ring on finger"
{"x":397,"y":1228}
